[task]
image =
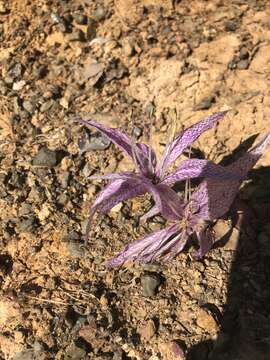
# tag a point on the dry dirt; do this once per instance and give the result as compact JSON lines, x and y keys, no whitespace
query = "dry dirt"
{"x":124,"y":60}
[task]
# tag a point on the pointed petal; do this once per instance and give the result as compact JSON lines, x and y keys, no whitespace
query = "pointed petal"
{"x":115,"y":176}
{"x":114,"y":193}
{"x":194,"y":168}
{"x":176,"y":246}
{"x":115,"y":135}
{"x":206,"y":241}
{"x":146,"y":249}
{"x":214,"y":197}
{"x":185,"y":139}
{"x":167,"y":201}
{"x":141,"y":154}
{"x":152,"y":212}
{"x":148,"y":156}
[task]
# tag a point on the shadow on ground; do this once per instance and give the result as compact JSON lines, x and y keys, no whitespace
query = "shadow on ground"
{"x":245,"y":324}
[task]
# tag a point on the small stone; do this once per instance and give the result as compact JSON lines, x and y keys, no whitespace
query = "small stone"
{"x":244,"y":54}
{"x":243,"y":64}
{"x":25,"y":209}
{"x":128,"y":48}
{"x":80,"y":19}
{"x":150,"y":283}
{"x":91,"y":30}
{"x":206,"y":321}
{"x":205,"y":104}
{"x":148,"y":330}
{"x":230,"y":26}
{"x":62,"y":199}
{"x":29,"y":106}
{"x":45,"y":157}
{"x":16,"y":70}
{"x":64,"y":178}
{"x":149,"y":109}
{"x":26,"y":225}
{"x":77,"y":35}
{"x":172,"y":351}
{"x":137,"y":132}
{"x":75,"y":249}
{"x":99,"y":14}
{"x":47,"y":105}
{"x":232,"y":64}
{"x":18,"y":85}
{"x":93,"y":142}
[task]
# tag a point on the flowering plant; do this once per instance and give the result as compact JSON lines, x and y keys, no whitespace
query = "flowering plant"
{"x":209,"y":201}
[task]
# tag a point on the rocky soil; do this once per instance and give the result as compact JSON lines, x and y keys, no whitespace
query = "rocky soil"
{"x":135,"y":64}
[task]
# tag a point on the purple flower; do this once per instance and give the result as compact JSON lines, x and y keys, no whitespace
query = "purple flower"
{"x":149,"y":173}
{"x":211,"y":200}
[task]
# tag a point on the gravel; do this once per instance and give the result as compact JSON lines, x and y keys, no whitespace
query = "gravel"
{"x":45,"y":157}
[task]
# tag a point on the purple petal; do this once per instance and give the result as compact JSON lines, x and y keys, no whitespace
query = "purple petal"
{"x":194,"y":168}
{"x":215,"y":197}
{"x":185,"y":139}
{"x":116,"y":136}
{"x":146,"y":249}
{"x":170,"y":205}
{"x":114,"y":193}
{"x":141,"y":154}
{"x":206,"y":240}
{"x":146,"y":159}
{"x":177,"y":245}
{"x":152,"y":212}
{"x":116,"y":176}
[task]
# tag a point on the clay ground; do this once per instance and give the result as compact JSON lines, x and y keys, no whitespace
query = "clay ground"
{"x":136,"y":64}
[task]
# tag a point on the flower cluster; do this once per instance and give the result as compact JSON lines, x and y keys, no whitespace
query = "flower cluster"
{"x":193,"y":215}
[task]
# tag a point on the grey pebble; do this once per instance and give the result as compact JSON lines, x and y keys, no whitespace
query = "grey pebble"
{"x":87,"y":170}
{"x":25,"y":209}
{"x":149,"y":109}
{"x":99,"y":143}
{"x":93,"y":142}
{"x":47,"y":105}
{"x":137,"y":131}
{"x":77,"y":35}
{"x":80,"y":19}
{"x":16,"y":70}
{"x":62,"y":199}
{"x":45,"y":157}
{"x":29,"y":106}
{"x":26,"y":225}
{"x":150,"y":283}
{"x":91,"y":30}
{"x":75,"y":249}
{"x":243,"y":64}
{"x":205,"y":104}
{"x":99,"y":14}
{"x":230,"y":26}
